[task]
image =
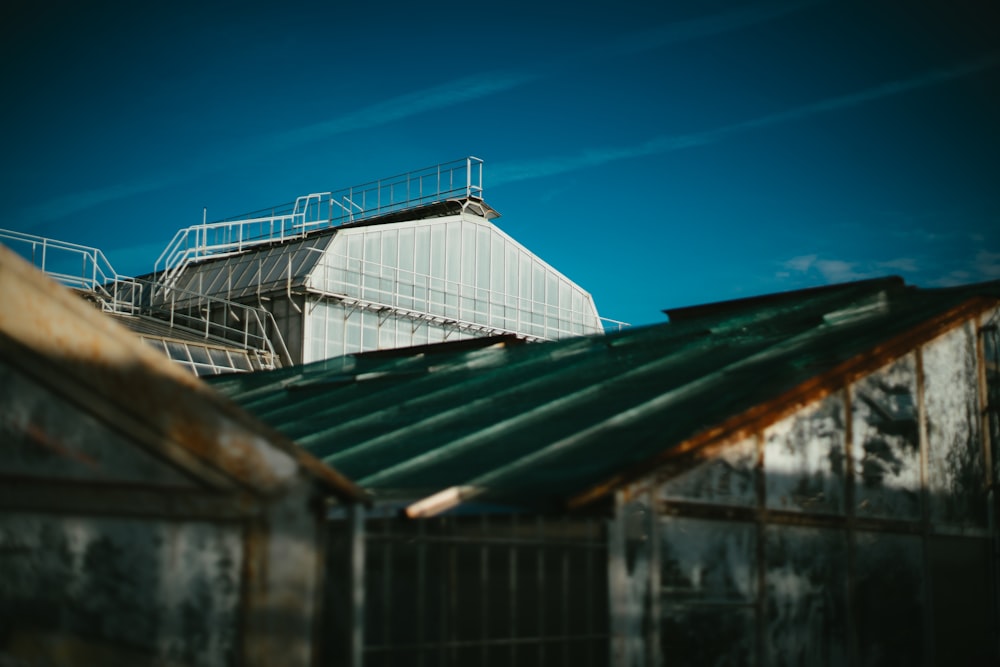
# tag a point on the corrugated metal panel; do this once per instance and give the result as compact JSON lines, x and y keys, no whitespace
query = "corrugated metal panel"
{"x":568,"y":421}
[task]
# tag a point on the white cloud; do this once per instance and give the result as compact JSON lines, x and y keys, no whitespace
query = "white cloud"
{"x":839,"y":271}
{"x":801,"y":263}
{"x":902,"y":264}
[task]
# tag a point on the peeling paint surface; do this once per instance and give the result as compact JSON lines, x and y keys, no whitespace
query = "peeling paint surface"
{"x":886,"y":443}
{"x":955,"y":464}
{"x":118,"y":591}
{"x":46,"y":436}
{"x":728,"y":478}
{"x":804,"y":459}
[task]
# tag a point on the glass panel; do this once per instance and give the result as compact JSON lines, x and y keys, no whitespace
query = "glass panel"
{"x":888,"y":599}
{"x":955,"y":464}
{"x":469,"y":256}
{"x":886,"y":448}
{"x":369,"y":330}
{"x":199,"y":354}
{"x":497,"y":267}
{"x":708,"y":561}
{"x":991,"y":355}
{"x":422,"y":250}
{"x":241,"y":361}
{"x":804,"y":459}
{"x":438,"y":246}
{"x":454,"y":252}
{"x":727,"y":478}
{"x":806,"y":596}
{"x":177,"y":351}
{"x":699,"y":635}
{"x":373,"y":249}
{"x":709,"y":580}
{"x":219,"y":357}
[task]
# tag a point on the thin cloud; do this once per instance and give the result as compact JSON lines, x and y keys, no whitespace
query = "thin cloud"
{"x":519,"y":171}
{"x":902,"y":264}
{"x":800,"y":264}
{"x":987,"y":265}
{"x":437,"y":97}
{"x":840,"y":270}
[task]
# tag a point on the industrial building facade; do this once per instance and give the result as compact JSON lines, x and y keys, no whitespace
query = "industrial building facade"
{"x":409,"y":260}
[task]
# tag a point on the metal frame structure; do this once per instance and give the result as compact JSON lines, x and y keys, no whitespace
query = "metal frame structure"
{"x":456,"y":180}
{"x":487,"y":589}
{"x":701,"y":556}
{"x":214,"y":320}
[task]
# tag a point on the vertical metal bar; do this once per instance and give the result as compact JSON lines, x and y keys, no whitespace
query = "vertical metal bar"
{"x":928,"y":634}
{"x":853,"y":657}
{"x":589,"y":588}
{"x":512,"y":571}
{"x":484,"y":598}
{"x":564,"y":609}
{"x":450,"y":583}
{"x":986,"y":439}
{"x":357,"y":584}
{"x":541,"y":593}
{"x":653,"y":646}
{"x":617,"y":585}
{"x":760,"y":608}
{"x":421,"y":589}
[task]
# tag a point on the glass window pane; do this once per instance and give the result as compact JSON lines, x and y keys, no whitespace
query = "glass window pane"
{"x":888,"y":599}
{"x":199,"y":354}
{"x":886,"y":446}
{"x":728,"y":478}
{"x":991,"y":355}
{"x":955,"y":463}
{"x":806,"y":574}
{"x":804,"y":459}
{"x":708,"y":561}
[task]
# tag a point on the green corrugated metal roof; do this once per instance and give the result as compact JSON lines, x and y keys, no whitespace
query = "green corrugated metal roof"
{"x":540,"y":424}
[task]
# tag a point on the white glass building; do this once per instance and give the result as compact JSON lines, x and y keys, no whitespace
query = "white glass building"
{"x":405,"y":261}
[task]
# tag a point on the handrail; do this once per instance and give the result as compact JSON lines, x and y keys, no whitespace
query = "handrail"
{"x":320,"y":210}
{"x":412,"y":291}
{"x":135,"y":296}
{"x":59,"y":260}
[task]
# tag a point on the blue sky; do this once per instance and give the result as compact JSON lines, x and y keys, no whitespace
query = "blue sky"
{"x":658,"y":154}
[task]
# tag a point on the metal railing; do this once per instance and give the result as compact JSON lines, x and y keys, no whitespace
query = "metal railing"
{"x":450,"y":180}
{"x":411,"y":292}
{"x":79,"y":267}
{"x":87,"y":269}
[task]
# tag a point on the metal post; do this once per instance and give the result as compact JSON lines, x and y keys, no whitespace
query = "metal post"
{"x":357,"y":584}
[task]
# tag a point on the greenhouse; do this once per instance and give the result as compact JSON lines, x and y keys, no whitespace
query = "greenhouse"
{"x":801,"y":478}
{"x":409,"y":260}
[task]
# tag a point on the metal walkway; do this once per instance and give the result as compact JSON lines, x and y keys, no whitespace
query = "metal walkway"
{"x":457,"y":180}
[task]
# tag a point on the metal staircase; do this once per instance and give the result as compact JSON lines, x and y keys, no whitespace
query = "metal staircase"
{"x":214,"y":319}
